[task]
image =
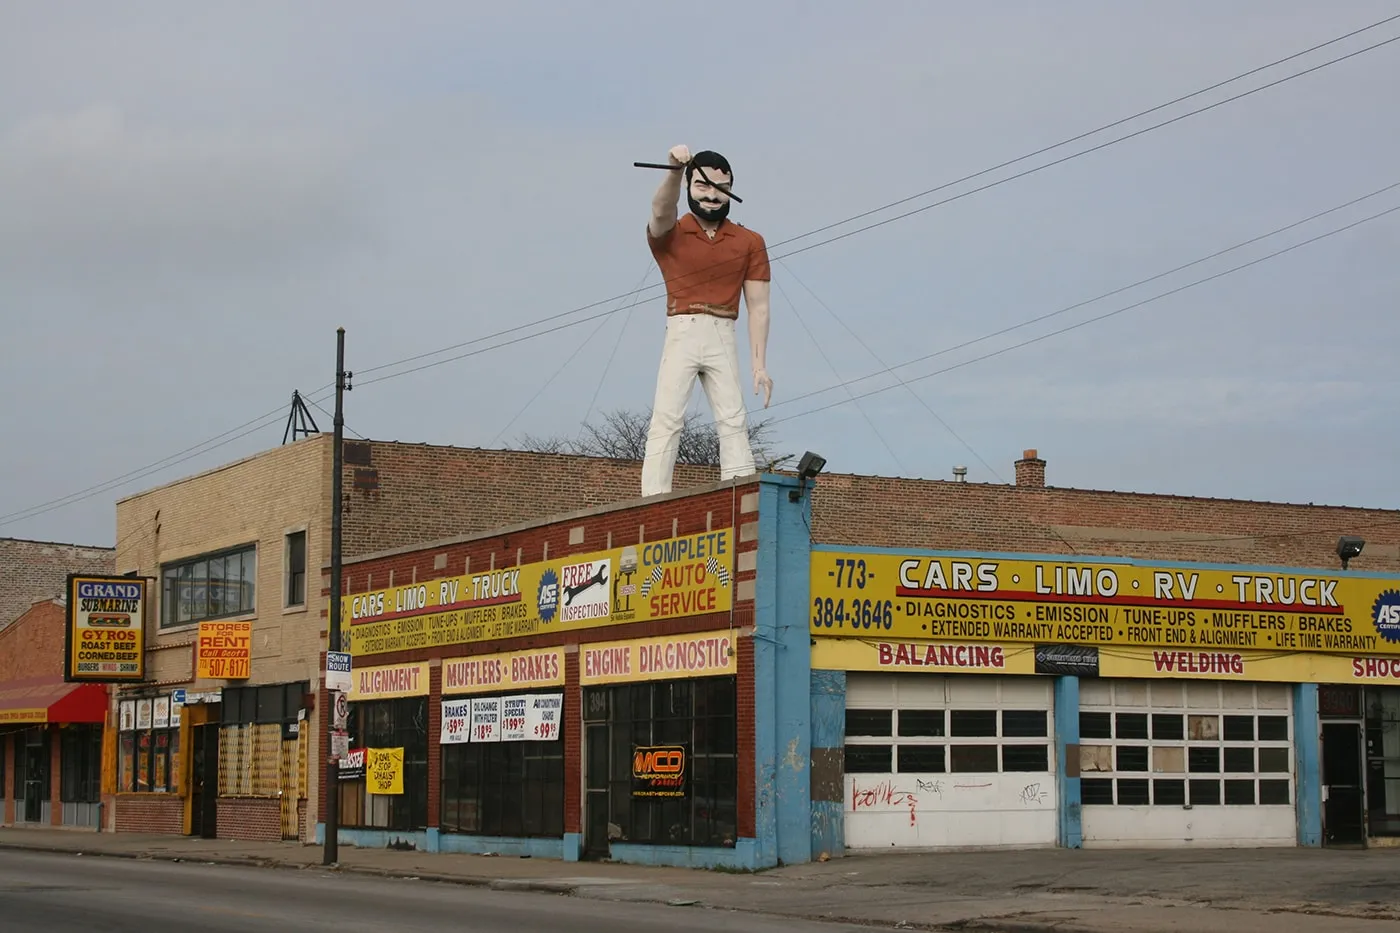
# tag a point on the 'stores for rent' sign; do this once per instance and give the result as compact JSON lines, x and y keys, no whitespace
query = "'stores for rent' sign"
{"x":225,"y":650}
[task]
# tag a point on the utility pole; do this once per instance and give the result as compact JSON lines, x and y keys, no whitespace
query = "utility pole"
{"x":332,"y":815}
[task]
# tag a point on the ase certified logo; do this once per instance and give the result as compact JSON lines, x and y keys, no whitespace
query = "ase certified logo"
{"x":548,"y":596}
{"x":1386,"y":615}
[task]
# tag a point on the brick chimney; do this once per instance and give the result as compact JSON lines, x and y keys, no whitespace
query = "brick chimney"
{"x":1030,"y":469}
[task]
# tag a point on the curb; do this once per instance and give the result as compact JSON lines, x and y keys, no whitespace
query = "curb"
{"x":255,"y":862}
{"x":531,"y":885}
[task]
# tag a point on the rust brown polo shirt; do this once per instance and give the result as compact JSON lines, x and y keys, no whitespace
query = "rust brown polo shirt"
{"x":704,"y":275}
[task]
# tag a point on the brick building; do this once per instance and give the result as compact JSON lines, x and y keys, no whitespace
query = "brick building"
{"x":35,"y":570}
{"x":1059,"y":666}
{"x":51,"y":732}
{"x":238,"y":545}
{"x":1101,"y":619}
{"x":1086,"y":667}
{"x":605,"y":683}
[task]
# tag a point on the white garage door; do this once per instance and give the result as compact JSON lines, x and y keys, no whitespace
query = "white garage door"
{"x":934,"y":761}
{"x":1172,"y":763}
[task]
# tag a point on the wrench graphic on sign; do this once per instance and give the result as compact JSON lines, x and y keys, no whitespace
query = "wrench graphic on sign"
{"x":571,"y":591}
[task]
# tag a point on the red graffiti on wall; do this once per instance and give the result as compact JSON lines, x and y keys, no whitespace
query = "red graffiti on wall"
{"x":884,"y":794}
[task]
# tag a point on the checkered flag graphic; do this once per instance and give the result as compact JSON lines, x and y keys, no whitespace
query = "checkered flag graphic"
{"x":651,"y":580}
{"x":719,"y":570}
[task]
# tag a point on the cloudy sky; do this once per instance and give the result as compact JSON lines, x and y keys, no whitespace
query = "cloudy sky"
{"x":193,"y":197}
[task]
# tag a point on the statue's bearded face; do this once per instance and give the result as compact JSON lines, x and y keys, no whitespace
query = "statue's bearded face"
{"x":708,"y":199}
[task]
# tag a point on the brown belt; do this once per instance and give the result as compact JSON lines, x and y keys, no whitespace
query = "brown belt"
{"x":700,"y":307}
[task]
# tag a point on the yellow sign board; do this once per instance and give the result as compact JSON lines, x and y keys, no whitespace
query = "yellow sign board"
{"x":384,"y":770}
{"x":704,"y":654}
{"x":850,"y":654}
{"x":225,"y":651}
{"x":976,"y":597}
{"x":106,"y":629}
{"x":23,"y":716}
{"x":510,"y":670}
{"x":860,"y":654}
{"x":389,"y":681}
{"x":674,"y":578}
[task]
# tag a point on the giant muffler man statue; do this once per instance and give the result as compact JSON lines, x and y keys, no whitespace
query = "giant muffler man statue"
{"x":708,"y":261}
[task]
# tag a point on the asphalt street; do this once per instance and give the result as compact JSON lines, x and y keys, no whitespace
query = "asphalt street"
{"x":71,"y":893}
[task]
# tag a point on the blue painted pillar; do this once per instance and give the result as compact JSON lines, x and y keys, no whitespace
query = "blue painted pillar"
{"x":1071,"y":824}
{"x":1308,"y":745}
{"x":828,"y":786}
{"x":782,"y":667}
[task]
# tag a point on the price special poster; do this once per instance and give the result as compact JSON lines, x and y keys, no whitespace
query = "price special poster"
{"x":524,"y":717}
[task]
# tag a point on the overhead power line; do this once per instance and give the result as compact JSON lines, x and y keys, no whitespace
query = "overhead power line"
{"x":257,"y":423}
{"x":1079,"y":324}
{"x":910,"y":213}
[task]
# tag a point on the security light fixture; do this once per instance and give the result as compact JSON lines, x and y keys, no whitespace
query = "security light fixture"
{"x":1349,"y":547}
{"x":807,"y":468}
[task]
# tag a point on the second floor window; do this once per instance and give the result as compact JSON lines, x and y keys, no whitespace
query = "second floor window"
{"x":209,"y":587}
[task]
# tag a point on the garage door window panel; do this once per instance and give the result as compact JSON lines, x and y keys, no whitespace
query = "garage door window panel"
{"x":1238,"y":753}
{"x":971,"y":736}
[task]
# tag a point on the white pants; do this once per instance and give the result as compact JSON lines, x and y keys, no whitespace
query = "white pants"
{"x":697,"y":345}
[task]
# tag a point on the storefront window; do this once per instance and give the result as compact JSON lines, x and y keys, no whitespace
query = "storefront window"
{"x":148,"y":759}
{"x":80,"y":773}
{"x":700,"y":718}
{"x":504,"y":788}
{"x":1383,"y":759}
{"x":256,"y":723}
{"x":398,"y":723}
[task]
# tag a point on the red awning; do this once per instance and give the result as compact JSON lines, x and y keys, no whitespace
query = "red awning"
{"x":43,"y":700}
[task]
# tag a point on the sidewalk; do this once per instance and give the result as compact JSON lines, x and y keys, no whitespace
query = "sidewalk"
{"x":1036,"y":891}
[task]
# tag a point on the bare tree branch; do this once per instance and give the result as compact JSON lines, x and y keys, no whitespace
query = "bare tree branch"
{"x":622,"y":435}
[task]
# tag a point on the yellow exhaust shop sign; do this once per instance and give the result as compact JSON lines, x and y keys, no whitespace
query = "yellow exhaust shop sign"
{"x":1184,"y":607}
{"x":669,"y":579}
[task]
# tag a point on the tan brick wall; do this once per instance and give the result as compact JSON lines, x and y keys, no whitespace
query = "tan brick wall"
{"x":257,"y":500}
{"x":35,"y":570}
{"x":887,"y":512}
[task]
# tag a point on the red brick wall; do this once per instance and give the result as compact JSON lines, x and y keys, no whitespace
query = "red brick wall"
{"x":33,"y":645}
{"x":406,"y":494}
{"x":150,"y":813}
{"x":250,"y":818}
{"x":573,"y":745}
{"x":651,"y":522}
{"x":880,"y":511}
{"x":37,"y":570}
{"x":434,"y":760}
{"x":747,"y":817}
